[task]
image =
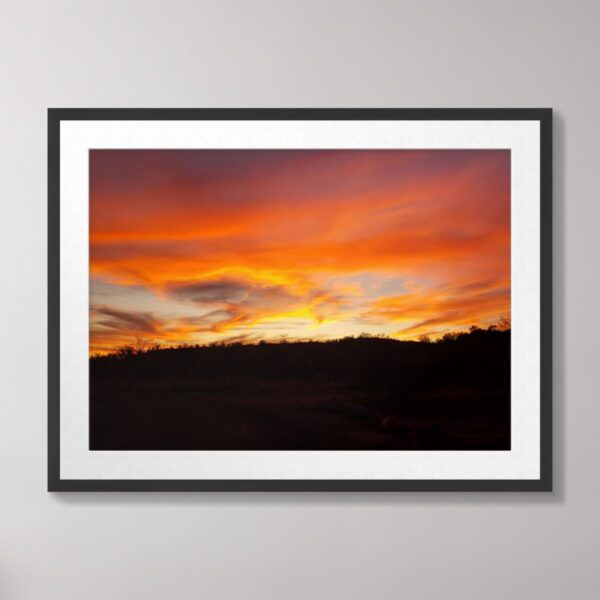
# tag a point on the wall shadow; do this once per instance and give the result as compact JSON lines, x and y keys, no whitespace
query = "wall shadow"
{"x":557,"y":497}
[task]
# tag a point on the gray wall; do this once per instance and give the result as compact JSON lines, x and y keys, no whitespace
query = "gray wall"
{"x":180,"y":53}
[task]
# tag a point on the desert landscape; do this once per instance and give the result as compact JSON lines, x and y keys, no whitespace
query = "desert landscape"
{"x":355,"y":393}
{"x":299,"y":299}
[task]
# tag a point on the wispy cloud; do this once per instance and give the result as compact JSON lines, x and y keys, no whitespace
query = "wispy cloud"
{"x":249,"y":241}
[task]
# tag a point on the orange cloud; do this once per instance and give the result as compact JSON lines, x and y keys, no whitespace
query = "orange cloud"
{"x":435,"y":311}
{"x":270,"y":237}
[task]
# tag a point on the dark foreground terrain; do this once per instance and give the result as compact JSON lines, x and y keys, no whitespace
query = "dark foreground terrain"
{"x":352,"y":394}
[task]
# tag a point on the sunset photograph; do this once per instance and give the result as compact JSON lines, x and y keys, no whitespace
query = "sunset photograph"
{"x":299,"y":299}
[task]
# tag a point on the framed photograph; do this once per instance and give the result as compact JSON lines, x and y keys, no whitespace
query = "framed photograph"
{"x":300,"y":299}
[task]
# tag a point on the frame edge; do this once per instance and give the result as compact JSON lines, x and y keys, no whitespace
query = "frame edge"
{"x":53,"y":300}
{"x":56,"y":484}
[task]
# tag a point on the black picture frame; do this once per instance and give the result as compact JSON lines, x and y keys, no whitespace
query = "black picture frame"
{"x":58,"y":115}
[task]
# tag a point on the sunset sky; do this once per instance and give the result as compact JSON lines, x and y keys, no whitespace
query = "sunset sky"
{"x":196,"y":246}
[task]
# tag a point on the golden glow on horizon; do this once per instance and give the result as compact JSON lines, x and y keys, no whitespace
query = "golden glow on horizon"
{"x":202,"y":246}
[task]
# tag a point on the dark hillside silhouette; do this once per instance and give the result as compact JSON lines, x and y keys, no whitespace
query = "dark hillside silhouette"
{"x":354,"y":393}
